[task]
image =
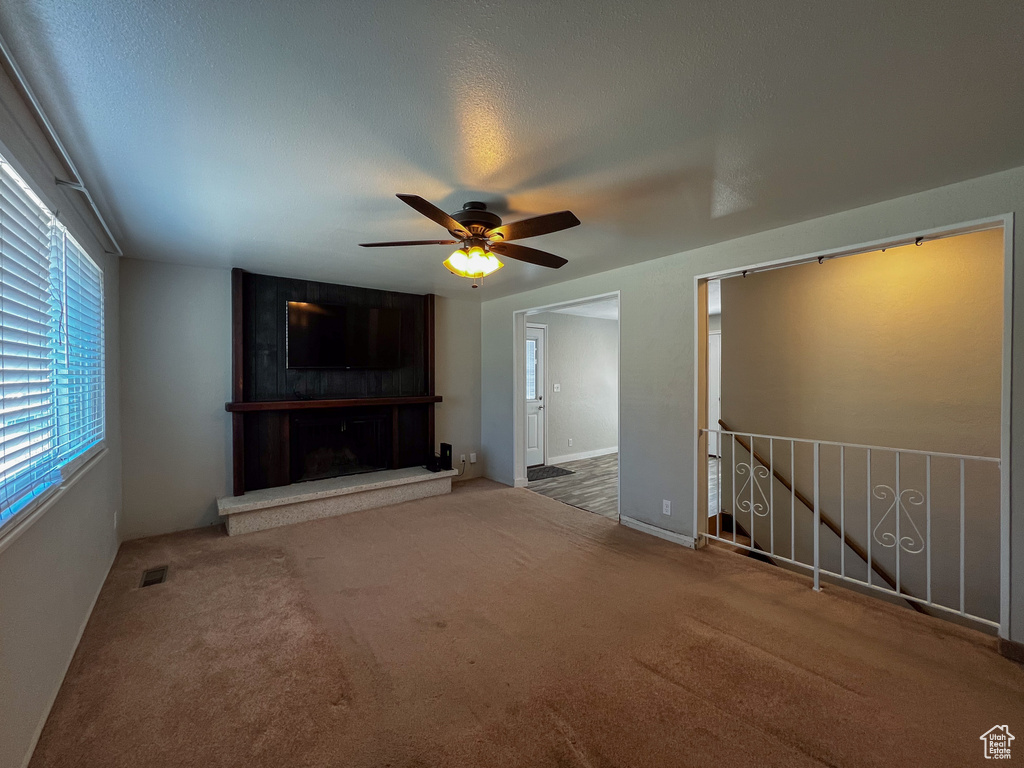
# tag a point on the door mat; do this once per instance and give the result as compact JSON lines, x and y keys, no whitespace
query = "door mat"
{"x":544,"y":473}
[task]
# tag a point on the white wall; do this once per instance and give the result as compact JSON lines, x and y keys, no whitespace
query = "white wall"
{"x":582,"y":358}
{"x":176,"y":339}
{"x":175,"y":379}
{"x":457,"y":372}
{"x":656,"y":313}
{"x":51,"y":572}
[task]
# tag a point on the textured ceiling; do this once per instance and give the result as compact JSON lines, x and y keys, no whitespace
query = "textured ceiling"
{"x":602,"y":309}
{"x":273,"y":136}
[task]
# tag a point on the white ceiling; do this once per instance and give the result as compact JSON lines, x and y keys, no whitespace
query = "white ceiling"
{"x":273,"y":136}
{"x":603,"y":309}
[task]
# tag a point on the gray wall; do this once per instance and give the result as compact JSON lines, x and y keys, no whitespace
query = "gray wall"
{"x":176,"y":350}
{"x":901,"y":348}
{"x":176,"y":340}
{"x":656,"y":314}
{"x":457,"y":371}
{"x":582,"y":357}
{"x":51,"y":571}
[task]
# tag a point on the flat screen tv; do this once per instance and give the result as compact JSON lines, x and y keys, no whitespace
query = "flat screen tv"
{"x":343,"y":336}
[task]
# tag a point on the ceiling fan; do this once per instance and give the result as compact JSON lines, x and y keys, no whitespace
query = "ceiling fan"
{"x":482,"y":235}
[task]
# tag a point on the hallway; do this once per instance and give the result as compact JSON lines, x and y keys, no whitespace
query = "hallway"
{"x":593,"y":486}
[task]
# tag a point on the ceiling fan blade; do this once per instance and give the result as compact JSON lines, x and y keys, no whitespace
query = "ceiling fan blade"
{"x":538,"y":225}
{"x":529,"y":255}
{"x":433,"y":213}
{"x":409,"y":242}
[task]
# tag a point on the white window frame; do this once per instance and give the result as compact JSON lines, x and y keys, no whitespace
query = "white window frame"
{"x":79,"y":466}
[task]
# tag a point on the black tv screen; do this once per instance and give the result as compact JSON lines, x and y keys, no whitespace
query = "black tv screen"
{"x":343,"y":336}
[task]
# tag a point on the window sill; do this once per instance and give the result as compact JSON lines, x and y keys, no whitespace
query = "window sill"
{"x":72,"y":473}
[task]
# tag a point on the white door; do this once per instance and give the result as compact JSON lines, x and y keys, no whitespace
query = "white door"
{"x":534,"y":395}
{"x":714,"y":390}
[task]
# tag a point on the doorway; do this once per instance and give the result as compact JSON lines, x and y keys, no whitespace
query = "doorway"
{"x":567,"y":440}
{"x":714,"y":393}
{"x":841,"y":375}
{"x":534,"y":362}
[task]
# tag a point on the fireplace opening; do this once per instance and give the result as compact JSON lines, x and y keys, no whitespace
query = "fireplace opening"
{"x":333,"y":444}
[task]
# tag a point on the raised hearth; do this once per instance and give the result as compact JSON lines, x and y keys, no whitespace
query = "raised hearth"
{"x":284,"y":505}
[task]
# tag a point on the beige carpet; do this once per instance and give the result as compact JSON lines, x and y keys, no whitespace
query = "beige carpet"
{"x":496,"y":627}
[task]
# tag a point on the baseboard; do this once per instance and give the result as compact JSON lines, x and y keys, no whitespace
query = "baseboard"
{"x":60,"y":683}
{"x":1012,"y":650}
{"x":582,"y":455}
{"x":653,"y":530}
{"x":521,"y":482}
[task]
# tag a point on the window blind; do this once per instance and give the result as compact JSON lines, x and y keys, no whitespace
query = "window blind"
{"x":78,"y":348}
{"x":51,"y":346}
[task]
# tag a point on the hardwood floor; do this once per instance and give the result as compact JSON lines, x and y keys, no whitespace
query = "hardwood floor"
{"x":593,"y":486}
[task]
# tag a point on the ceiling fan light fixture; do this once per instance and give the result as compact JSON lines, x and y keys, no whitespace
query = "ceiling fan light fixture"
{"x":479,"y":230}
{"x":473,"y":263}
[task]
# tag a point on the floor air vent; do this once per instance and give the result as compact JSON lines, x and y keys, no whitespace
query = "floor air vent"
{"x":154,"y":576}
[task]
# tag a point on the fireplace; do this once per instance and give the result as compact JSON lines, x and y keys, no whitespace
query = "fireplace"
{"x":290,"y":425}
{"x":329,"y":443}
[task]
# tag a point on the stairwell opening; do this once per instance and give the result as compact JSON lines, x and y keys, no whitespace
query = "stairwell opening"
{"x":853,"y":410}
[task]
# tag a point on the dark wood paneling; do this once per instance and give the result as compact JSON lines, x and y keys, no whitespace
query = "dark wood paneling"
{"x":265,"y":391}
{"x":271,"y":378}
{"x":412,"y":430}
{"x":428,"y":322}
{"x":428,"y":340}
{"x":431,"y":445}
{"x":237,"y":334}
{"x":267,"y":458}
{"x":237,"y":378}
{"x":302,"y":405}
{"x":238,"y":454}
{"x":396,"y":437}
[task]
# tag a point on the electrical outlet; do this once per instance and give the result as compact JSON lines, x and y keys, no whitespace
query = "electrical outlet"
{"x":666,"y":507}
{"x":462,"y":458}
{"x":558,"y":387}
{"x":570,"y":442}
{"x":472,"y":458}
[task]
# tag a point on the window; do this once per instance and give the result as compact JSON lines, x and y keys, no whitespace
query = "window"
{"x":51,"y":347}
{"x":531,"y":369}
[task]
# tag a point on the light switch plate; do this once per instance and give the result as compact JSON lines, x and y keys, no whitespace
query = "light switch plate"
{"x":558,"y":387}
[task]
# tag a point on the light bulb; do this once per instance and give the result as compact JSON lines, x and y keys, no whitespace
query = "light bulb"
{"x":474,"y":263}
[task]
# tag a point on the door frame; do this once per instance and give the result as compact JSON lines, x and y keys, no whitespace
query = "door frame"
{"x":519,"y":385}
{"x":545,"y":399}
{"x":700,"y":367}
{"x":717,"y":333}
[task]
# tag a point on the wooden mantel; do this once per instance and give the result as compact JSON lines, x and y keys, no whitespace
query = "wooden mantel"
{"x":299,"y":405}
